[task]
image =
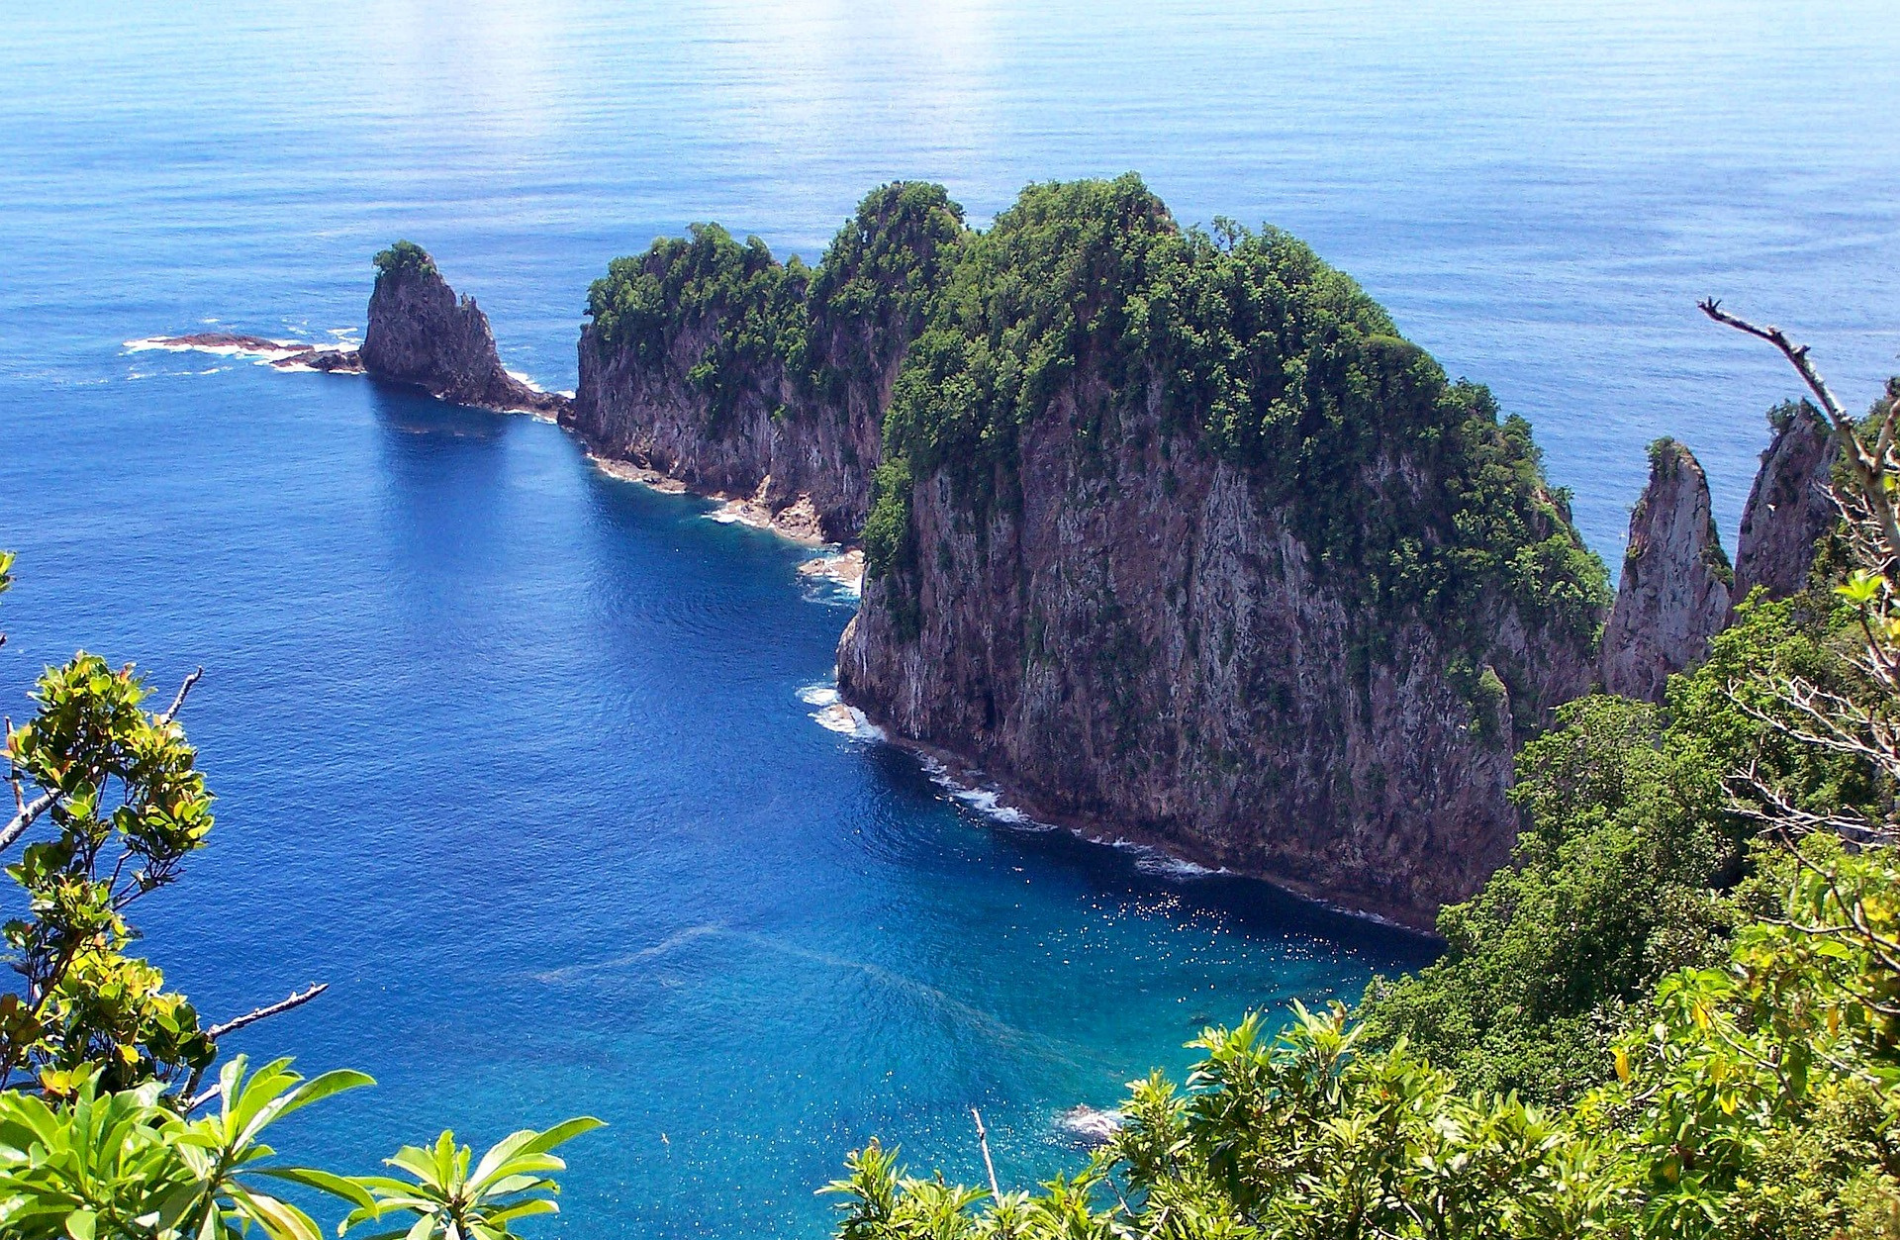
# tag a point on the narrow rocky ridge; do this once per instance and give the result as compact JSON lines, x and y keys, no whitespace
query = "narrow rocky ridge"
{"x":1677,"y":589}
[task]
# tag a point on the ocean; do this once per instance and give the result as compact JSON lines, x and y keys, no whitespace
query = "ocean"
{"x":525,"y":762}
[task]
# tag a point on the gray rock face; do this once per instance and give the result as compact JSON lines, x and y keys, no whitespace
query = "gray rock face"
{"x":774,"y":445}
{"x":1788,"y":507}
{"x":1147,"y":646}
{"x":797,"y":431}
{"x":420,"y":333}
{"x":1674,"y":593}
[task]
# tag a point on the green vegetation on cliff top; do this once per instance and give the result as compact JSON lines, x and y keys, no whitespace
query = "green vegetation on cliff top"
{"x":1085,"y":300}
{"x":404,"y":256}
{"x":742,"y":324}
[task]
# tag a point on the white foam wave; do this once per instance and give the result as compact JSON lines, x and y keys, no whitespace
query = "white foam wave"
{"x":1088,"y":1126}
{"x":987,"y":802}
{"x":835,"y":715}
{"x":840,"y":573}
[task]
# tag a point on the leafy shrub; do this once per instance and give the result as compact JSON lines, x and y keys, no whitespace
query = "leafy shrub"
{"x":404,"y":257}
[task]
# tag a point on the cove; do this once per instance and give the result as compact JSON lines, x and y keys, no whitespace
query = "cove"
{"x":513,"y":755}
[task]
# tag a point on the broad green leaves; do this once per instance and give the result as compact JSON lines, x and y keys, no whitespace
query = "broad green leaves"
{"x":128,"y":805}
{"x":127,"y":1166}
{"x":443,"y":1199}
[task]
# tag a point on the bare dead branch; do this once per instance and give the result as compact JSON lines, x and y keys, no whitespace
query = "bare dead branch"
{"x":1867,"y":465}
{"x":251,"y":1018}
{"x":983,"y":1141}
{"x":179,"y":701}
{"x":1797,"y":354}
{"x":17,"y":825}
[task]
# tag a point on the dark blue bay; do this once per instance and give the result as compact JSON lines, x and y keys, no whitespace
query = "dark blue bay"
{"x":513,"y":755}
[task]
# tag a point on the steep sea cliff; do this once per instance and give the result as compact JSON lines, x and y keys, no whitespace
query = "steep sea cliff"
{"x":1169,"y":532}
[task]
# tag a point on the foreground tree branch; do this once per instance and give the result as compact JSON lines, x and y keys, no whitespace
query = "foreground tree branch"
{"x":189,"y":1097}
{"x":251,"y":1018}
{"x":178,"y":702}
{"x":1871,"y":466}
{"x":17,"y":825}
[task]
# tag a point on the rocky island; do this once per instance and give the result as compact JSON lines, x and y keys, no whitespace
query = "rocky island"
{"x":419,"y":333}
{"x":1169,"y":533}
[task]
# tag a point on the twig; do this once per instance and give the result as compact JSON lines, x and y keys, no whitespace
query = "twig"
{"x":188,"y":1097}
{"x":251,"y":1018}
{"x":189,"y":1102}
{"x":179,"y":701}
{"x":983,"y":1141}
{"x":1797,"y":354}
{"x":1867,"y":465}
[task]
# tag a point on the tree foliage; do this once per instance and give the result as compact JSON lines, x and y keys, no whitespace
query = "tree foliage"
{"x":404,"y":257}
{"x":100,"y":1065}
{"x":1676,"y":1015}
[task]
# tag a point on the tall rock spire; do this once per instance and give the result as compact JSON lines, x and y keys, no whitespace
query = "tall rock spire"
{"x":1674,"y":594}
{"x":1788,"y":507}
{"x":421,"y":333}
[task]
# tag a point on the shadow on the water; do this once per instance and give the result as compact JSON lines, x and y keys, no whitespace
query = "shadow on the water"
{"x":1247,"y":906}
{"x":405,"y":410}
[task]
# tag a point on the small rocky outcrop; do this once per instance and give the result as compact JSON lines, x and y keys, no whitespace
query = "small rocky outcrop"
{"x":1789,"y":507}
{"x":421,"y":333}
{"x":283,"y":354}
{"x":1674,"y":593}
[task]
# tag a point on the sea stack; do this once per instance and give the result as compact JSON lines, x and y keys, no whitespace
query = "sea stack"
{"x":421,"y":333}
{"x":1789,"y":507}
{"x":1674,"y":593}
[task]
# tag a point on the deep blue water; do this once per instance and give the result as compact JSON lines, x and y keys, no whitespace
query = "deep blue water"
{"x":514,"y":756}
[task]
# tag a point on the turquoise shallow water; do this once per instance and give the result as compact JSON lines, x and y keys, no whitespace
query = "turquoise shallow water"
{"x":514,"y":756}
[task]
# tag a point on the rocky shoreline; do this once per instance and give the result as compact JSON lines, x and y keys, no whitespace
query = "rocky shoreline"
{"x":1134,"y":635}
{"x":283,"y":354}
